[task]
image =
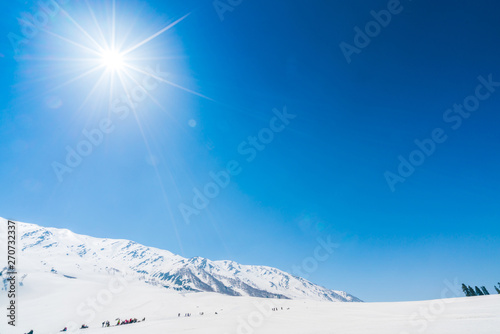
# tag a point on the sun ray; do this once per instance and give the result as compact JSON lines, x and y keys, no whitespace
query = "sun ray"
{"x":46,"y":92}
{"x":96,"y":85}
{"x":158,"y":176}
{"x":113,"y":26}
{"x":130,"y":28}
{"x":76,"y":78}
{"x":94,"y":18}
{"x":55,"y":75}
{"x":59,"y":59}
{"x":171,"y":25}
{"x":70,"y":41}
{"x":82,"y":30}
{"x":155,"y":101}
{"x":167,"y":82}
{"x":154,"y":58}
{"x":110,"y":96}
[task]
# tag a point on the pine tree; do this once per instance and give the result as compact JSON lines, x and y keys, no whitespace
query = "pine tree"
{"x":471,"y":291}
{"x":498,"y":290}
{"x":465,"y":289}
{"x":478,"y":291}
{"x":484,"y":290}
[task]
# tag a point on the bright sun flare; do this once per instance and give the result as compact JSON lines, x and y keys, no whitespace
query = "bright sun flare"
{"x":112,"y":60}
{"x":115,"y":62}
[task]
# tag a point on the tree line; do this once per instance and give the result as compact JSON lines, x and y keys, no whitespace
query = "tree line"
{"x":476,"y":291}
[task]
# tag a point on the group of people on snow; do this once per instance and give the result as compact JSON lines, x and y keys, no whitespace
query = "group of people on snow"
{"x":277,"y":308}
{"x":107,"y":324}
{"x":189,"y":314}
{"x":134,"y":320}
{"x":127,"y":321}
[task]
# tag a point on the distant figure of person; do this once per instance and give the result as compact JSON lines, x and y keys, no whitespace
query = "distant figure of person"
{"x":30,"y":332}
{"x":84,"y":326}
{"x":144,"y":319}
{"x":103,"y":323}
{"x":64,"y":329}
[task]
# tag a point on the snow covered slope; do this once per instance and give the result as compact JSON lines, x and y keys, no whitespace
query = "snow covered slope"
{"x":69,"y":280}
{"x":50,"y":302}
{"x":65,"y":253}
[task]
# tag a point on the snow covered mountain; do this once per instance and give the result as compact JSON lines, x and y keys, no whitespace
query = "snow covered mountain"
{"x":71,"y":256}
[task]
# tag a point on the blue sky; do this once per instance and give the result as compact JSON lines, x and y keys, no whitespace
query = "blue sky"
{"x":323,"y":176}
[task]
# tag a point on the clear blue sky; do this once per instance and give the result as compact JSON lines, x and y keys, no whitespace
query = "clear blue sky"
{"x":322,"y":176}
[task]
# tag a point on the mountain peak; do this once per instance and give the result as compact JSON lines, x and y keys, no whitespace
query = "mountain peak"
{"x":61,"y":251}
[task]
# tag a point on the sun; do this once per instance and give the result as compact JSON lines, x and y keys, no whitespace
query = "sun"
{"x":112,"y":60}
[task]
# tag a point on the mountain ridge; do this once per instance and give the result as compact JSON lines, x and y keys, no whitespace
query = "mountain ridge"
{"x":49,"y":249}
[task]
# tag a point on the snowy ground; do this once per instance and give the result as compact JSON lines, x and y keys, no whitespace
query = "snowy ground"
{"x":49,"y":302}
